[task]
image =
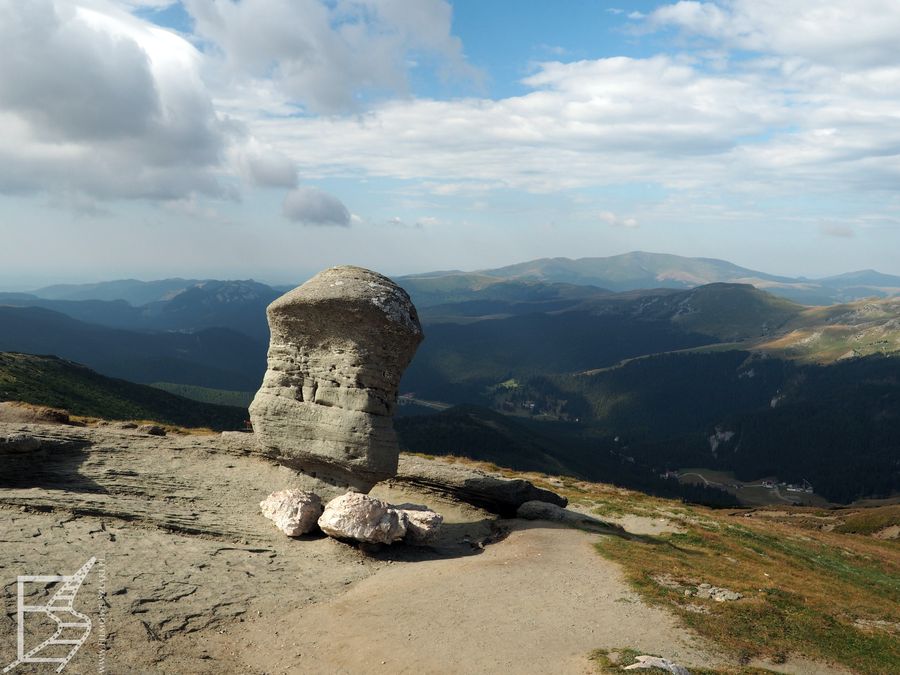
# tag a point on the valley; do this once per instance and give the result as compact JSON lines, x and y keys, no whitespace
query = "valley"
{"x":626,"y":369}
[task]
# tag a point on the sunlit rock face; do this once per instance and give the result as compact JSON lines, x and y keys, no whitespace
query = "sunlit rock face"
{"x":339,"y":345}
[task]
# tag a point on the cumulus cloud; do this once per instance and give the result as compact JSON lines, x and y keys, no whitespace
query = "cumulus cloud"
{"x":265,"y":166}
{"x":312,"y":206}
{"x":776,"y":123}
{"x":96,"y":101}
{"x":613,"y":220}
{"x":854,"y":33}
{"x":100,"y":103}
{"x":327,"y":55}
{"x":608,"y":121}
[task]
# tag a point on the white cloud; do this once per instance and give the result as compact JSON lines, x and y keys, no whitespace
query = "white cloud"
{"x":773,"y":124}
{"x":608,"y":121}
{"x":93,"y":100}
{"x":312,"y":206}
{"x":327,"y":55}
{"x":97,"y":104}
{"x":265,"y":166}
{"x":842,"y":33}
{"x":613,"y":220}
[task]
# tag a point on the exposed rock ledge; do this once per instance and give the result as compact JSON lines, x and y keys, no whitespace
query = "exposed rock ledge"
{"x":494,"y":493}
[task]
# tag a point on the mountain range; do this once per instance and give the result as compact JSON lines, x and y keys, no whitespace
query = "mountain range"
{"x":639,"y":270}
{"x":662,"y":351}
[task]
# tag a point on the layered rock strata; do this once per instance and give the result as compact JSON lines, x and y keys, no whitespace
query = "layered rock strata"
{"x":493,"y":493}
{"x":339,"y":345}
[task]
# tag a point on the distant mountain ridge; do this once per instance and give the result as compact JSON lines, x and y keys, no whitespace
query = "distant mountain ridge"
{"x":542,"y":279}
{"x":633,"y":270}
{"x":640,"y":270}
{"x":215,"y":357}
{"x":132,"y":291}
{"x":237,"y":305}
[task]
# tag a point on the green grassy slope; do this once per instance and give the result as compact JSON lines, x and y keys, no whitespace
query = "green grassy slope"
{"x":826,"y":334}
{"x":51,"y":381}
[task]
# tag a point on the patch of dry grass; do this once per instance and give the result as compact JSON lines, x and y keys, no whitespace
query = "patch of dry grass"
{"x":804,"y":591}
{"x":871,"y":521}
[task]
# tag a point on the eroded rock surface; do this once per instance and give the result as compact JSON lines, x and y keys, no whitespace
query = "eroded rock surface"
{"x":339,"y":345}
{"x":494,"y":493}
{"x":152,"y":430}
{"x":15,"y":411}
{"x":535,"y":510}
{"x":294,"y":512}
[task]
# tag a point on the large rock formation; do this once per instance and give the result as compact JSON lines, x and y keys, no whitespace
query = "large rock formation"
{"x":339,"y":345}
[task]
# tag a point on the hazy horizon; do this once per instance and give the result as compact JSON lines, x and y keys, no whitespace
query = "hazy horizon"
{"x":21,"y":286}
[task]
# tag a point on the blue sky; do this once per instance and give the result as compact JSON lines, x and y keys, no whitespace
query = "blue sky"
{"x":272,"y":138}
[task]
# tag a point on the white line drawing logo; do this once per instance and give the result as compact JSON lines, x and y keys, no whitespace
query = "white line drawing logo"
{"x":59,"y":604}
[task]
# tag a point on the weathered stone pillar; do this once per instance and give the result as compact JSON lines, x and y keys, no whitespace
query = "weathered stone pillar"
{"x":339,"y":345}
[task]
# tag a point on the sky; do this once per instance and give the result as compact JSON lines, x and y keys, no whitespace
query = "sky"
{"x":269,"y":139}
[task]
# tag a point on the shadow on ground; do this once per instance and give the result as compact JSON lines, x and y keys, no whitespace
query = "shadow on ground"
{"x":459,"y":540}
{"x":52,"y":466}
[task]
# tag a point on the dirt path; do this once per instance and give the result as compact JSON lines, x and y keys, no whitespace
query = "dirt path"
{"x":538,"y":602}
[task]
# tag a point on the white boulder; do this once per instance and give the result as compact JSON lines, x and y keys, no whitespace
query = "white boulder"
{"x":367,"y":519}
{"x":422,"y":524}
{"x":363,"y":518}
{"x":294,"y":512}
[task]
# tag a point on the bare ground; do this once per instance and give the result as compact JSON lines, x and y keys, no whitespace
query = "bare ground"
{"x":194,"y":580}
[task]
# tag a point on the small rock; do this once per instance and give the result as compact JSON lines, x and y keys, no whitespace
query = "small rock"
{"x":724,"y":595}
{"x":152,"y":430}
{"x":648,"y":662}
{"x":717,"y":594}
{"x":422,"y":524}
{"x":19,"y":443}
{"x":363,"y":518}
{"x":294,"y":512}
{"x":538,"y":510}
{"x":127,"y":425}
